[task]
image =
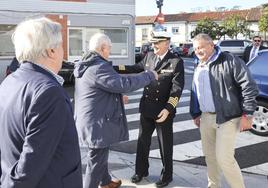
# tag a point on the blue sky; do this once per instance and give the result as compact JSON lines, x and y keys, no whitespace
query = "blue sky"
{"x":148,"y":7}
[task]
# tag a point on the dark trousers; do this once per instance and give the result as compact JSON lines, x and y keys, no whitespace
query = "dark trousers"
{"x":165,"y":139}
{"x":97,"y":168}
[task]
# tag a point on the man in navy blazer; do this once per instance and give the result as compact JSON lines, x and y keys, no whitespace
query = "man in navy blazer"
{"x":38,"y":139}
{"x":252,"y":50}
{"x":99,"y":108}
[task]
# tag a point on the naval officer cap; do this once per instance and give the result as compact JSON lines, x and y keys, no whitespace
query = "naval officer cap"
{"x":159,"y":34}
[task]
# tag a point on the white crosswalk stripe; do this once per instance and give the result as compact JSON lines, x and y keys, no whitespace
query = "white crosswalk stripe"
{"x":192,"y":149}
{"x":136,"y":104}
{"x":135,"y":117}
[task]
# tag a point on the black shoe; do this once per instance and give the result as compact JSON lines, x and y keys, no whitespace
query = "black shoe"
{"x":161,"y":183}
{"x":137,"y":178}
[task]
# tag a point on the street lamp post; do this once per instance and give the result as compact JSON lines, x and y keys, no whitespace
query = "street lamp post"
{"x":160,"y":17}
{"x":159,"y":4}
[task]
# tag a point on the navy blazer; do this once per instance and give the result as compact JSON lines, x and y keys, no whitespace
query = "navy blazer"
{"x":248,"y":50}
{"x":99,"y":110}
{"x":38,"y":139}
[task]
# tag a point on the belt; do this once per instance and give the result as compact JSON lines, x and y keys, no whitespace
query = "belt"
{"x":211,"y":112}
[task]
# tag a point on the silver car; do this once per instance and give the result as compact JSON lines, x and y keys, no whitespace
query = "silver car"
{"x":235,"y":47}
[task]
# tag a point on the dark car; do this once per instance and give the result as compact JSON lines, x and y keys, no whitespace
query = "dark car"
{"x":137,"y":54}
{"x":140,"y":52}
{"x":12,"y":67}
{"x":66,"y":71}
{"x":258,"y":68}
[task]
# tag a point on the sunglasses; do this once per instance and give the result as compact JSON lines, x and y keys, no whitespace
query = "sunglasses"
{"x":257,"y":40}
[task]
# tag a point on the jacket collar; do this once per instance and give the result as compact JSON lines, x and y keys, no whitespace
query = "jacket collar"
{"x":26,"y":65}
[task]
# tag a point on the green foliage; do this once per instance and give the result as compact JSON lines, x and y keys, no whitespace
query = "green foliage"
{"x":207,"y":26}
{"x":263,"y":22}
{"x":234,"y":25}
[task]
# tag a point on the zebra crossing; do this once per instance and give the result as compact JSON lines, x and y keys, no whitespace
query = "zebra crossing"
{"x":250,"y":149}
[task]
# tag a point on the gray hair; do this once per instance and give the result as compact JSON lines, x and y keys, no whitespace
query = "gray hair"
{"x":98,"y":40}
{"x":204,"y":37}
{"x":33,"y":37}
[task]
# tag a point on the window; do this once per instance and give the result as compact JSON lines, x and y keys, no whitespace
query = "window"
{"x":6,"y":45}
{"x":118,"y":38}
{"x":75,"y":42}
{"x":232,"y":43}
{"x":175,"y":30}
{"x":144,"y":34}
{"x":79,"y":40}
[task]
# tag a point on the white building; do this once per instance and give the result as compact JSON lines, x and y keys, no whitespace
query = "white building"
{"x":79,"y":19}
{"x":181,"y":25}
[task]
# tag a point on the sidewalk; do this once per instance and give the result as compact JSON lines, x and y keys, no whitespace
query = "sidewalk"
{"x":122,"y":167}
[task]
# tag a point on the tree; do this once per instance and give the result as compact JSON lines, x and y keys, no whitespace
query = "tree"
{"x":263,"y":22}
{"x":235,"y":25}
{"x":207,"y":26}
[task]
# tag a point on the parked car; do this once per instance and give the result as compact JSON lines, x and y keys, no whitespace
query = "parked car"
{"x":137,"y":54}
{"x":12,"y":67}
{"x":258,"y":67}
{"x":235,"y":47}
{"x":191,"y":52}
{"x":142,"y":51}
{"x":66,"y":71}
{"x":176,"y":50}
{"x":185,"y":48}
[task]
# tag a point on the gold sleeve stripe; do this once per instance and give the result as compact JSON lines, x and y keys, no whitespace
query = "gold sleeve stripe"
{"x":122,"y":67}
{"x":173,"y":101}
{"x":174,"y":105}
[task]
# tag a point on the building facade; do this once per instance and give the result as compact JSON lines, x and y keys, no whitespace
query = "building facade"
{"x":181,"y":25}
{"x":80,"y":19}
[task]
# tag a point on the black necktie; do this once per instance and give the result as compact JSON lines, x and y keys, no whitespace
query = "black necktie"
{"x":157,"y":62}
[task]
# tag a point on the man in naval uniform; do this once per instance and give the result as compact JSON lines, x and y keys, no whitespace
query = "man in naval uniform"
{"x":158,"y":105}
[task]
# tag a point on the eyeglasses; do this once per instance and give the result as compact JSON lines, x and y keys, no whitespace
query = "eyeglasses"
{"x":257,"y":40}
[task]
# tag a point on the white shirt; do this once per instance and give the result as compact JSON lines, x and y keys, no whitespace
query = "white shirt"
{"x":160,"y":58}
{"x":252,"y":53}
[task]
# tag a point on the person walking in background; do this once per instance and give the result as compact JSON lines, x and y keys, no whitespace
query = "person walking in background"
{"x":38,"y":138}
{"x":222,"y":103}
{"x":158,"y":105}
{"x":99,"y":108}
{"x":252,"y":50}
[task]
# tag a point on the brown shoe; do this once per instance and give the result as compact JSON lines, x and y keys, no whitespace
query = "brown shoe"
{"x":113,"y":184}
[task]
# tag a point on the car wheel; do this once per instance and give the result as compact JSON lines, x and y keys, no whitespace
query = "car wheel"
{"x":260,"y":119}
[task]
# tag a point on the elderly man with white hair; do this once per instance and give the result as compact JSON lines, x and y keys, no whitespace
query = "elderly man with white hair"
{"x":99,"y":108}
{"x":38,"y":139}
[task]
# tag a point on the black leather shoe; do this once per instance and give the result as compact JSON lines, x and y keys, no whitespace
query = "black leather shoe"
{"x":137,"y":178}
{"x":161,"y":183}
